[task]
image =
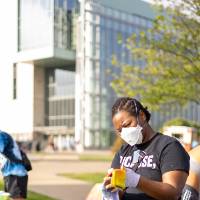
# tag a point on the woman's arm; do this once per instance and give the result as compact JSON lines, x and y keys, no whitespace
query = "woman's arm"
{"x":193,"y":180}
{"x":170,"y":188}
{"x":194,"y":174}
{"x":191,"y":189}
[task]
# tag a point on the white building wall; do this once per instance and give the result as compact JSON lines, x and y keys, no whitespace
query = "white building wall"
{"x":16,"y":114}
{"x":24,"y":101}
{"x":8,"y":41}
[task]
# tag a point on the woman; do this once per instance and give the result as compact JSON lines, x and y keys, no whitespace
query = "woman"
{"x":191,"y":189}
{"x":156,"y":165}
{"x":15,"y":175}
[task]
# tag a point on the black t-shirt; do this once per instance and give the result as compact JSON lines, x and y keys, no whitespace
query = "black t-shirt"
{"x":151,"y":159}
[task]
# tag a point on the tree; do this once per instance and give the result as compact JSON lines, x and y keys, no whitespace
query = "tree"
{"x":170,"y":53}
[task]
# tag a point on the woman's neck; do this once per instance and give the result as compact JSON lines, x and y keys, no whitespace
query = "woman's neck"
{"x":148,"y":133}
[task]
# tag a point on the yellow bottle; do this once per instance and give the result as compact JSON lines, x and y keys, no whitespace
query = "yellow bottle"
{"x":118,"y":178}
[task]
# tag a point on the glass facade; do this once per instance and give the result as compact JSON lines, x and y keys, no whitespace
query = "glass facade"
{"x":115,"y":27}
{"x":64,"y":28}
{"x":105,"y":33}
{"x":60,"y":102}
{"x":35,"y":20}
{"x":46,"y":23}
{"x":105,"y":27}
{"x":189,"y":112}
{"x":52,"y":23}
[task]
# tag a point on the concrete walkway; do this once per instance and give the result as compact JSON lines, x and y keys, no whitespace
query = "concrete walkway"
{"x":44,"y":177}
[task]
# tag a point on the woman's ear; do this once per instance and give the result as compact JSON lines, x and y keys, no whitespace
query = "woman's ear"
{"x":142,"y":116}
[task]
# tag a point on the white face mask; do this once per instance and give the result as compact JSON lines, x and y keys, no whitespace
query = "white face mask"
{"x":132,"y":135}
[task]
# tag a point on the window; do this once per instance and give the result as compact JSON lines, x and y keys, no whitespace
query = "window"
{"x":35,"y":21}
{"x":14,"y":81}
{"x":60,"y":98}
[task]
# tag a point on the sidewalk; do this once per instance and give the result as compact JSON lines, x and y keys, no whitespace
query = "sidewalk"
{"x":44,"y":177}
{"x":68,"y":155}
{"x":53,"y":156}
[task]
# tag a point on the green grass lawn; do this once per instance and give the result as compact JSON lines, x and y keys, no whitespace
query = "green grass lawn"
{"x":92,"y":178}
{"x":88,"y":177}
{"x":32,"y":195}
{"x":36,"y":196}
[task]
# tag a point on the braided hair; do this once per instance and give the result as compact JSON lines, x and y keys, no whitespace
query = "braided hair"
{"x":131,"y":106}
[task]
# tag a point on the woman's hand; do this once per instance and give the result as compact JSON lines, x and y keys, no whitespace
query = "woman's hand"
{"x":107,"y":181}
{"x":132,"y":178}
{"x":107,"y":178}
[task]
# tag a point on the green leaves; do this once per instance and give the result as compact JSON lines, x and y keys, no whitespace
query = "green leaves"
{"x":167,"y":58}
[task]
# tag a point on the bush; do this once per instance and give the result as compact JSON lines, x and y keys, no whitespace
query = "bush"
{"x":182,"y":122}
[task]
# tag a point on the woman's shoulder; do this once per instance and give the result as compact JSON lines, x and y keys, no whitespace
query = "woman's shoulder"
{"x":161,"y":142}
{"x":195,"y":153}
{"x":164,"y":139}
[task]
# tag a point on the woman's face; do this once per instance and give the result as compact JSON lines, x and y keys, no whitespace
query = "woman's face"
{"x":123,"y":119}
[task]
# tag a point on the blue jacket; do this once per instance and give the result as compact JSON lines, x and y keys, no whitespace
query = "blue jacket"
{"x":10,"y":148}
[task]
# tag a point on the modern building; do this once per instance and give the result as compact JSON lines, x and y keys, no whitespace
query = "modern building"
{"x":55,"y":55}
{"x":101,"y":25}
{"x":37,"y":69}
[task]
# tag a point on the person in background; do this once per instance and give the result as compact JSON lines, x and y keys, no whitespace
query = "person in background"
{"x":156,"y":165}
{"x":15,"y":175}
{"x":191,"y":189}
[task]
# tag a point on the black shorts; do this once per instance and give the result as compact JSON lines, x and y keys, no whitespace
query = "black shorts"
{"x":16,"y":186}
